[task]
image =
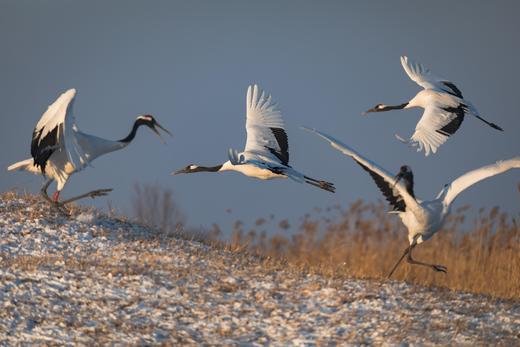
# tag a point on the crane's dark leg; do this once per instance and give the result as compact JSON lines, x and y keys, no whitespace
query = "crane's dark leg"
{"x":52,"y":202}
{"x":43,"y":191}
{"x":406,"y":251}
{"x":320,"y":184}
{"x":92,"y":194}
{"x":438,"y":268}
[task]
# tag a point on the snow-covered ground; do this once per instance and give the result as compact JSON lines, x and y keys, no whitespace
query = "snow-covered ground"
{"x":95,"y":279}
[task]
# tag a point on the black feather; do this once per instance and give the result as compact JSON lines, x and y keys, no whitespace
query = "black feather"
{"x":281,"y":138}
{"x":454,"y":124}
{"x":43,"y":148}
{"x":391,"y":196}
{"x":453,"y":89}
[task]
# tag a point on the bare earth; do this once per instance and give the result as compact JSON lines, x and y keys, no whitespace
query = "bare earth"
{"x":95,"y":279}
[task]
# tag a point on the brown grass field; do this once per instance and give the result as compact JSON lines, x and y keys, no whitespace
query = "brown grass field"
{"x":361,"y":241}
{"x":364,"y":241}
{"x":95,"y":278}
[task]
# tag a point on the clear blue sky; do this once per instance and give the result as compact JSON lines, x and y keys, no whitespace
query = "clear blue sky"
{"x":189,"y":64}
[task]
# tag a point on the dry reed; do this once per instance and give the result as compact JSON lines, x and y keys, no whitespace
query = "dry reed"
{"x":361,"y":241}
{"x":365,"y":242}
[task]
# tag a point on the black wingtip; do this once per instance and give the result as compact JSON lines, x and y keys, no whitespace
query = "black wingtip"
{"x":494,"y":126}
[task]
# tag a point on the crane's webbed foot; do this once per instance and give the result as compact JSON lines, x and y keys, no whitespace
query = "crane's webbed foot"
{"x":440,"y":268}
{"x":327,"y":186}
{"x":435,"y":267}
{"x":320,"y":184}
{"x":93,"y":194}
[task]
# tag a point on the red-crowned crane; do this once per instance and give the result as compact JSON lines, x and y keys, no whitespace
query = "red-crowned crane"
{"x":266,"y":155}
{"x":59,"y":149}
{"x":443,"y":104}
{"x":422,"y":218}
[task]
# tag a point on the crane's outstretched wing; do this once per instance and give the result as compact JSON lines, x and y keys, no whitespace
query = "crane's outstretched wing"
{"x":56,"y":130}
{"x":472,"y":177}
{"x":436,"y":125}
{"x":428,"y":80}
{"x":266,"y":135}
{"x":395,"y":194}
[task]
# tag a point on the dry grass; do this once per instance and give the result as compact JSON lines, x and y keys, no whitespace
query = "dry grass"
{"x":362,"y":241}
{"x":365,"y":242}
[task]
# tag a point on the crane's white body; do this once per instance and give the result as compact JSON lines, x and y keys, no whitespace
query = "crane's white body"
{"x":427,"y":135}
{"x":425,"y":221}
{"x":72,"y":150}
{"x":422,"y":218}
{"x":262,"y":116}
{"x":252,"y":168}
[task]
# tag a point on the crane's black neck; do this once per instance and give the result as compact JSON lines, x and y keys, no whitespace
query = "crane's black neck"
{"x":132,"y":133}
{"x":207,"y":168}
{"x":408,"y":183}
{"x":396,"y":107}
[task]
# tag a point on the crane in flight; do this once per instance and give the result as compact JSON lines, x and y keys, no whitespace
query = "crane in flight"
{"x":266,"y":155}
{"x":443,"y":104}
{"x":422,"y":218}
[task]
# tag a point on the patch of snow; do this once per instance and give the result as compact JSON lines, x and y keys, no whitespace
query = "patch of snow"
{"x":92,"y":280}
{"x":86,"y":217}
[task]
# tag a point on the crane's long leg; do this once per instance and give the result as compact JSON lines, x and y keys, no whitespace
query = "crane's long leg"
{"x":406,"y":251}
{"x":92,"y":194}
{"x":438,"y":268}
{"x":43,"y":191}
{"x":320,"y":184}
{"x":493,"y":125}
{"x":53,"y":203}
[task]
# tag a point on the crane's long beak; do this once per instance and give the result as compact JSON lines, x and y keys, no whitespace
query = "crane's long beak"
{"x":157,"y":132}
{"x":179,"y":172}
{"x":369,"y":111}
{"x":164,"y":129}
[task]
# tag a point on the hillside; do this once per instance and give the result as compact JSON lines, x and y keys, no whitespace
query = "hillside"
{"x":95,"y":278}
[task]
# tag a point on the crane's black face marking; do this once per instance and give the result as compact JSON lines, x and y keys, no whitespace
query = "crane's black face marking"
{"x":195,"y":168}
{"x":383,"y":107}
{"x":281,"y":138}
{"x":150,"y":122}
{"x":43,"y":147}
{"x":459,"y":112}
{"x":452,"y":89}
{"x":406,"y":175}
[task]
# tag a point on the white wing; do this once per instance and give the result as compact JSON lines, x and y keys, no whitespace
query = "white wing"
{"x":435,"y":127}
{"x":396,"y":195}
{"x":266,"y":136}
{"x":472,"y":177}
{"x":426,"y":79}
{"x":56,"y":130}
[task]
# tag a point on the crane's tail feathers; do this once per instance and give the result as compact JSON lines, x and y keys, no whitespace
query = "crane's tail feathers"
{"x":320,"y":184}
{"x":493,"y":125}
{"x":26,"y":165}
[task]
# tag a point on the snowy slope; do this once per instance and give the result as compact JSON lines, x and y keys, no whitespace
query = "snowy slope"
{"x":93,"y":278}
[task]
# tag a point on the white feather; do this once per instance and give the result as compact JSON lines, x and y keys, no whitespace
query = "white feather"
{"x":261,"y":115}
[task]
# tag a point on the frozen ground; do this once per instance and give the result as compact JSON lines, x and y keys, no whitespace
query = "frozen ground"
{"x":94,"y":279}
